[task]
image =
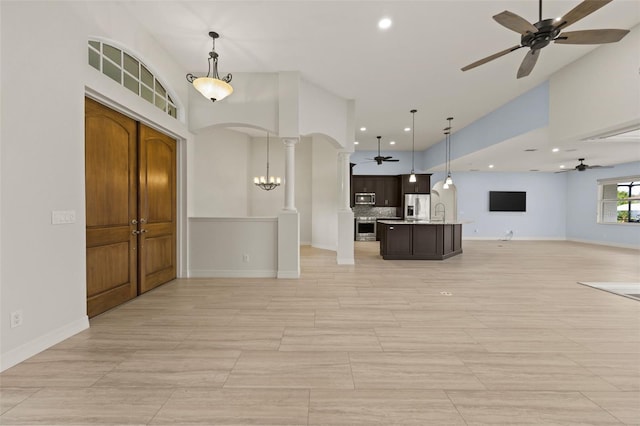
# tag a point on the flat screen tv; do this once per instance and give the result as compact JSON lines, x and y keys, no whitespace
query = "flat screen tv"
{"x":507,"y":201}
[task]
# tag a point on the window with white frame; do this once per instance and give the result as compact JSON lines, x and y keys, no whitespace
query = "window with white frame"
{"x":619,"y":200}
{"x":129,"y":71}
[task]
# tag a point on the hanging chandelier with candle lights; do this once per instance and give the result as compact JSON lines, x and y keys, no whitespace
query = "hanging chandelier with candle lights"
{"x":267,"y":182}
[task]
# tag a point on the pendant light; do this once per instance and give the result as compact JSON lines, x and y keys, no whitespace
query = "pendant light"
{"x":267,"y":182}
{"x":214,"y":87}
{"x":447,"y":131}
{"x":412,"y":177}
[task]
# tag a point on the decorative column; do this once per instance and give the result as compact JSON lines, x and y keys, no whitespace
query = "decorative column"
{"x":345,"y":214}
{"x":289,"y":218}
{"x":344,"y":181}
{"x":290,"y":174}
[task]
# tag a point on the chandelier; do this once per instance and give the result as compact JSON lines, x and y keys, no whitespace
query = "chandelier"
{"x":447,"y":133}
{"x":214,"y":87}
{"x":267,"y":182}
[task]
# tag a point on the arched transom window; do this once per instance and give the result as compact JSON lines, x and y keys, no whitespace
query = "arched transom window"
{"x":130,"y":72}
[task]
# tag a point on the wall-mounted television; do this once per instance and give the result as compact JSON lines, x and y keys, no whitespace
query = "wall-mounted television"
{"x":507,"y":201}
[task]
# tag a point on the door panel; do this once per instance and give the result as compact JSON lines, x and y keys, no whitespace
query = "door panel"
{"x":110,"y":182}
{"x":101,"y":274}
{"x":157,"y":208}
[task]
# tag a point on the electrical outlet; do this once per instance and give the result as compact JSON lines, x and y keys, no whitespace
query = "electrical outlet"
{"x":16,"y":319}
{"x":245,"y":257}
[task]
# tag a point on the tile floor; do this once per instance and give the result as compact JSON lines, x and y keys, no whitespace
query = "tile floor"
{"x":518,"y":340}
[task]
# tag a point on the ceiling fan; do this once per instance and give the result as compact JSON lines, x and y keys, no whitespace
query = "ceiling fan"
{"x":538,"y":35}
{"x":380,"y":159}
{"x":582,"y":167}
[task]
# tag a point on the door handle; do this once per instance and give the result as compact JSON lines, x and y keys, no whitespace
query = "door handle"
{"x":143,"y":220}
{"x":142,"y":231}
{"x":134,"y":222}
{"x":134,"y":232}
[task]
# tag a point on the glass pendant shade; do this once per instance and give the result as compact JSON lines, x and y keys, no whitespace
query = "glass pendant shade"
{"x":412,"y":177}
{"x":212,"y":88}
{"x":449,"y":181}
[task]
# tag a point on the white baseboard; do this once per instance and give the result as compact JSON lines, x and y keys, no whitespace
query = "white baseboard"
{"x":346,"y":261}
{"x":288,"y":274}
{"x":26,"y":351}
{"x":604,"y":243}
{"x":325,"y":247}
{"x":232,"y":273}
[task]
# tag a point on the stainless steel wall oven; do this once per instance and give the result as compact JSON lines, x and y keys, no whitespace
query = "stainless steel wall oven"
{"x":365,"y":229}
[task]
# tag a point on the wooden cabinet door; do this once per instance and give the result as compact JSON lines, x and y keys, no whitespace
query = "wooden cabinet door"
{"x":111,"y":205}
{"x":427,"y":240}
{"x":391,"y":191}
{"x":157,"y":208}
{"x":398,"y":240}
{"x":423,"y":184}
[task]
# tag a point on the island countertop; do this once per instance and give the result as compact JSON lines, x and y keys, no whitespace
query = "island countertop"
{"x":420,"y":222}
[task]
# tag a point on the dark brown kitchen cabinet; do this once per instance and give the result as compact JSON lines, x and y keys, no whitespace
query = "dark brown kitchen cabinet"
{"x":420,"y":241}
{"x":390,"y":192}
{"x":361,"y":183}
{"x":396,"y":241}
{"x":421,"y":186}
{"x":386,"y":188}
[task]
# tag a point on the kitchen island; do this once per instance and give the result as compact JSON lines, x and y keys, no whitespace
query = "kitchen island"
{"x":419,"y":239}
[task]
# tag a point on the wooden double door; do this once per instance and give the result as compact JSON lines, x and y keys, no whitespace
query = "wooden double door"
{"x":130,"y":177}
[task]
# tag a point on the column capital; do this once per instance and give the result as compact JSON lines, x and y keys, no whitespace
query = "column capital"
{"x":290,"y":141}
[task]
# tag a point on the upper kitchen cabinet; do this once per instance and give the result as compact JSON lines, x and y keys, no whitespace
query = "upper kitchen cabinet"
{"x":362,"y":183}
{"x":391,"y":192}
{"x":421,"y":186}
{"x":386,"y":188}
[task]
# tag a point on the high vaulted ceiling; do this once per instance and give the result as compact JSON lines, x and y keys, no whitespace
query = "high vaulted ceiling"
{"x":415,"y":63}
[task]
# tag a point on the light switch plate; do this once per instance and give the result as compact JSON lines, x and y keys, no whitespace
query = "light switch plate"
{"x":60,"y":217}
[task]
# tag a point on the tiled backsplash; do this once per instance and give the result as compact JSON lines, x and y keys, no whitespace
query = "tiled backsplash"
{"x":368,"y":211}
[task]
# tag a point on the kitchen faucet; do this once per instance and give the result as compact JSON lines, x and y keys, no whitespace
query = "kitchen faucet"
{"x":436,"y":211}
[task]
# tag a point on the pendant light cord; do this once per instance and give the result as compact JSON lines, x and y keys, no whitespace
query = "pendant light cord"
{"x":413,"y":137}
{"x":267,"y":176}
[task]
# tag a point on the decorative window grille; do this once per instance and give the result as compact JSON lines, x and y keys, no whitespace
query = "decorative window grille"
{"x":130,"y":72}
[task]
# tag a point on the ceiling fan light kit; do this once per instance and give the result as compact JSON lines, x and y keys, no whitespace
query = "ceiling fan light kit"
{"x":214,"y":87}
{"x":379,"y":158}
{"x":542,"y":33}
{"x":581,"y":167}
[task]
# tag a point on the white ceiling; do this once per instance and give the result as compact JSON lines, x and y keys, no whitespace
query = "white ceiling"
{"x":414,"y":64}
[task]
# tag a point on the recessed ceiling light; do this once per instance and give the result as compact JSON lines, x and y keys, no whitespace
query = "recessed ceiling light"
{"x":384,"y":23}
{"x":392,"y":143}
{"x":491,"y":166}
{"x":562,"y":166}
{"x":363,"y":129}
{"x":356,"y":143}
{"x":407,"y":129}
{"x":555,"y":150}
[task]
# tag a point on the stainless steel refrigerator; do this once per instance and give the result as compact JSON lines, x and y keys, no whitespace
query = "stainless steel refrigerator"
{"x":417,"y":207}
